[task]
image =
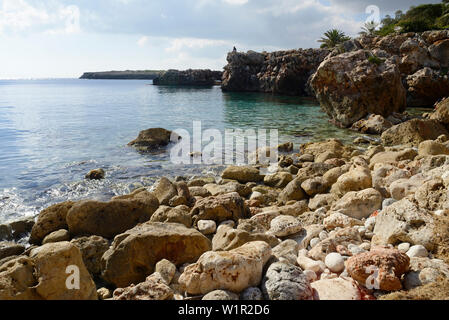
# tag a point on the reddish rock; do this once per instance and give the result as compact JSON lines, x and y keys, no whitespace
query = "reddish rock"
{"x":391,"y":264}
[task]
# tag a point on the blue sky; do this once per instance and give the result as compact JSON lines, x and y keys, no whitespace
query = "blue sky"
{"x":64,"y":38}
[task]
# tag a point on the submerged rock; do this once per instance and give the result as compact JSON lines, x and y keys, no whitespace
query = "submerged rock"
{"x":154,"y":138}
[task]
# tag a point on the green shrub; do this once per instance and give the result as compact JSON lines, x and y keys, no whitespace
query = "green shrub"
{"x":419,"y":25}
{"x":375,"y":60}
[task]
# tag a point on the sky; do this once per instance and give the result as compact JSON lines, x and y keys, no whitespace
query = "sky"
{"x":64,"y":38}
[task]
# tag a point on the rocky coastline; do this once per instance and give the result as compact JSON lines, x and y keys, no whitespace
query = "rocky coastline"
{"x":188,"y":78}
{"x":363,"y":76}
{"x":305,"y":232}
{"x":122,"y":75}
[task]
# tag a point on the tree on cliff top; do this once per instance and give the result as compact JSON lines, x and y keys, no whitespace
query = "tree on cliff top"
{"x":332,"y":38}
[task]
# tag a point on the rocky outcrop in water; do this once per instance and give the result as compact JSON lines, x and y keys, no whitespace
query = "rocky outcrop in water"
{"x":188,"y":78}
{"x":281,"y":72}
{"x":153,"y":139}
{"x":122,"y":75}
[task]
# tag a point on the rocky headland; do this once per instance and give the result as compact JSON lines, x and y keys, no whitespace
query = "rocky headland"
{"x":188,"y":78}
{"x":370,"y":75}
{"x":122,"y":75}
{"x":334,"y":222}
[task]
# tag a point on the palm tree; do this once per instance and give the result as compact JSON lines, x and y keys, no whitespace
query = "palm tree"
{"x":369,"y":28}
{"x":332,"y":38}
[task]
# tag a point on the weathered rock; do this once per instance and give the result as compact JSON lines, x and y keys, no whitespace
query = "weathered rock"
{"x":315,"y":186}
{"x":373,"y":124}
{"x":97,"y":174}
{"x":393,"y":157}
{"x":227,"y":239}
{"x":404,"y":221}
{"x":286,"y":282}
{"x":309,"y":264}
{"x":234,"y":270}
{"x":166,"y":270}
{"x":390,"y":263}
{"x":154,"y":288}
{"x":441,"y":113}
{"x":336,"y":289}
{"x":292,"y":191}
{"x":335,"y":146}
{"x":433,"y":195}
{"x":349,"y":86}
{"x":104,"y":294}
{"x":221,"y":295}
{"x":281,"y":72}
{"x":17,"y":280}
{"x":340,"y":220}
{"x":413,"y":132}
{"x":432,"y":148}
{"x":402,"y":188}
{"x":242,"y":174}
{"x":53,"y":263}
{"x":199,"y":192}
{"x":49,"y":220}
{"x":92,"y":249}
{"x":154,"y":138}
{"x":418,"y":251}
{"x":384,"y":175}
{"x":287,"y":250}
{"x":359,"y":205}
{"x":179,"y":214}
{"x":230,"y":187}
{"x":107,"y":219}
{"x":322,"y":201}
{"x":278,"y":180}
{"x":220,"y":208}
{"x":8,"y":249}
{"x":134,"y":254}
{"x":164,"y":190}
{"x":284,"y":226}
{"x":424,"y":271}
{"x":57,"y":236}
{"x":356,"y":179}
{"x":426,"y":86}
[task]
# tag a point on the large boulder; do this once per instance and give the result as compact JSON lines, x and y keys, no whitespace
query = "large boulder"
{"x":107,"y":219}
{"x":92,"y":249}
{"x":357,"y":179}
{"x":425,"y":87}
{"x":164,"y":190}
{"x":17,"y":280}
{"x":52,"y":263}
{"x":352,"y":85}
{"x":292,"y":191}
{"x":336,"y":289}
{"x":372,"y":124}
{"x":179,"y":214}
{"x":227,"y":238}
{"x":220,"y":208}
{"x":404,"y":221}
{"x":51,"y":219}
{"x":154,"y":138}
{"x":334,"y":146}
{"x":234,"y":270}
{"x":134,"y":254}
{"x":413,"y":132}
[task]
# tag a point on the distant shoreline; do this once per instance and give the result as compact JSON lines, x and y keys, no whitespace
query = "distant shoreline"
{"x":123,"y":75}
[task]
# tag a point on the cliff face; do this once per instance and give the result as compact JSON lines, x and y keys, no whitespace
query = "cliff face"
{"x":281,"y":72}
{"x":188,"y":78}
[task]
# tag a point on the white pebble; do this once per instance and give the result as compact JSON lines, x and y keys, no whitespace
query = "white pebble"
{"x":404,"y":247}
{"x":370,"y":223}
{"x":207,"y":227}
{"x":323,"y":235}
{"x":314,"y":242}
{"x":335,"y":262}
{"x":418,"y":252}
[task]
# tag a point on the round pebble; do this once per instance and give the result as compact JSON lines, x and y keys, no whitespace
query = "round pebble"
{"x":404,"y":247}
{"x":418,"y":251}
{"x":323,"y":235}
{"x":335,"y":262}
{"x":314,"y":242}
{"x":207,"y":227}
{"x":365,"y":246}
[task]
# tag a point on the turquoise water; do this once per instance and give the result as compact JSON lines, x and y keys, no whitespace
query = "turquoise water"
{"x":52,"y":132}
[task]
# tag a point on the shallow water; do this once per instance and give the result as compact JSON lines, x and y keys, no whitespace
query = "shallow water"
{"x":52,"y":132}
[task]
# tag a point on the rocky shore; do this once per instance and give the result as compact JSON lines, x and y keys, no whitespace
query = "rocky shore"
{"x":188,"y":78}
{"x":363,"y":76}
{"x":122,"y":75}
{"x":335,"y":222}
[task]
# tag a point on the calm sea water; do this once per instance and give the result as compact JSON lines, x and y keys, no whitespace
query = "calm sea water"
{"x":52,"y":132}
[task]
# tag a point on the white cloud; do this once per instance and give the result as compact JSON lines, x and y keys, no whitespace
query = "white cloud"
{"x":51,"y":18}
{"x":179,"y":44}
{"x":142,"y":41}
